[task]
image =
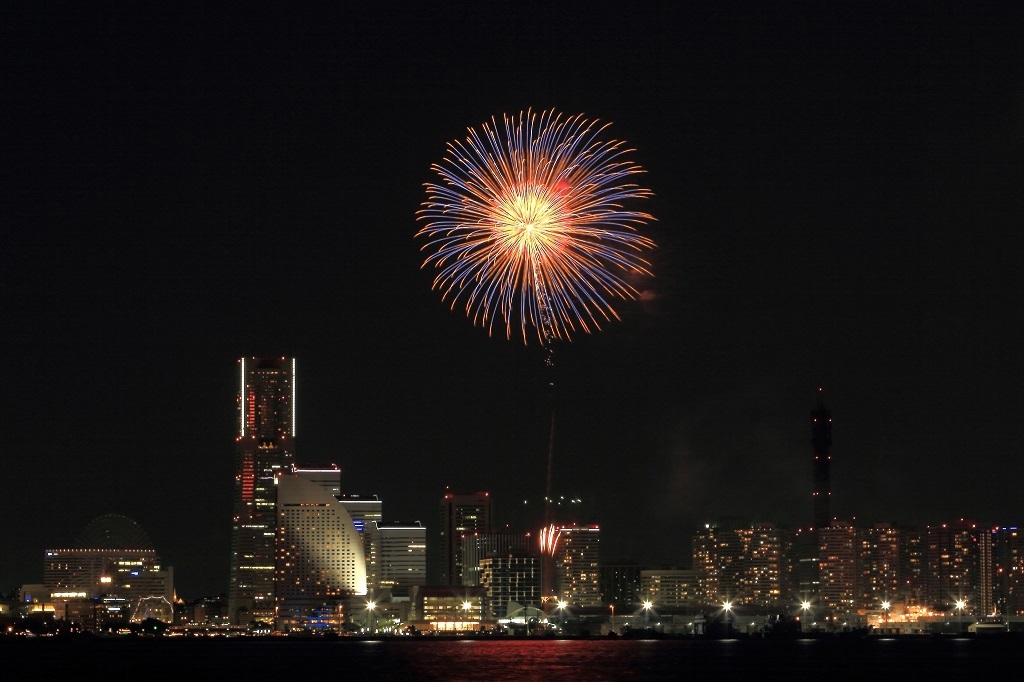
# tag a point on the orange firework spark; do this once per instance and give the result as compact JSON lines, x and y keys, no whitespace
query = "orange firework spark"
{"x":549,"y":539}
{"x":528,"y":227}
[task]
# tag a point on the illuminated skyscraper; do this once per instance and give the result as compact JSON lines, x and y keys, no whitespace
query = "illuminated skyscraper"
{"x":959,"y":566}
{"x":366,"y":512}
{"x":577,"y":557}
{"x":265,"y":445}
{"x":461,"y":516}
{"x":403,"y":554}
{"x":837,"y":586}
{"x":511,"y":578}
{"x":479,"y":545}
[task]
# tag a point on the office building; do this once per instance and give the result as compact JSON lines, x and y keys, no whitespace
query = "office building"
{"x":511,"y":581}
{"x":367,"y":513}
{"x":672,"y":589}
{"x":620,"y":584}
{"x":403,"y":554}
{"x":479,"y":545}
{"x":264,"y":446}
{"x":460,"y":516}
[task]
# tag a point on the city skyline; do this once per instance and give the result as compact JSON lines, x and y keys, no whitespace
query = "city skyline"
{"x":837,"y":203}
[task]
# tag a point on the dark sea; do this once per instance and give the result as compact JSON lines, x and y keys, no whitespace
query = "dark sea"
{"x":195,"y":659}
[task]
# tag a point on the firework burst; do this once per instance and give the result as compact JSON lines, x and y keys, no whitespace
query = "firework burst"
{"x":528,"y":228}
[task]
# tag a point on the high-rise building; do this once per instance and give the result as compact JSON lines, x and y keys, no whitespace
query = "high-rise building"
{"x":479,"y":545}
{"x":878,"y":565}
{"x":1008,"y":559}
{"x":460,"y":516}
{"x":512,"y":583}
{"x":837,"y":586}
{"x":264,"y":446}
{"x":959,"y":566}
{"x":577,"y":558}
{"x":743,"y":562}
{"x":403,"y":554}
{"x":319,"y":562}
{"x":620,"y":584}
{"x":367,"y":513}
{"x":913,"y":566}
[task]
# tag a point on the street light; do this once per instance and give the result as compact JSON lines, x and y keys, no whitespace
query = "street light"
{"x":648,"y":604}
{"x":960,"y":605}
{"x":885,"y":614}
{"x":727,"y":606}
{"x":370,"y":606}
{"x":805,"y":608}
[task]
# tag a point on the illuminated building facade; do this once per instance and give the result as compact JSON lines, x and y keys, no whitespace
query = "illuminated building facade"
{"x":113,"y":560}
{"x":577,"y":559}
{"x":959,"y":557}
{"x":744,"y":563}
{"x":1008,"y":559}
{"x":319,"y":562}
{"x":837,"y":586}
{"x":367,"y":513}
{"x":878,"y":565}
{"x":460,"y":516}
{"x":913,"y":565}
{"x":403,"y":554}
{"x":672,"y":588}
{"x":478,"y":546}
{"x":448,"y":609}
{"x":265,"y":446}
{"x":511,"y":577}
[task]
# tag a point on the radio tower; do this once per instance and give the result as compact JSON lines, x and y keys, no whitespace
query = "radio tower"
{"x":821,"y":444}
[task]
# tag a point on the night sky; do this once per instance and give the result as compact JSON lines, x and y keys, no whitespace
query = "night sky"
{"x":838,"y":194}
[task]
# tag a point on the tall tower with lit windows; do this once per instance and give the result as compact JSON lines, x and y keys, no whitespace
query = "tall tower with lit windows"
{"x":265,"y":445}
{"x":461,"y":516}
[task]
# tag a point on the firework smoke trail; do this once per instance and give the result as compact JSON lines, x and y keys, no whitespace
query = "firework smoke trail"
{"x":527,"y":225}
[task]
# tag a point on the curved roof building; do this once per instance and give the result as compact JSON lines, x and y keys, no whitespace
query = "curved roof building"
{"x":320,"y":560}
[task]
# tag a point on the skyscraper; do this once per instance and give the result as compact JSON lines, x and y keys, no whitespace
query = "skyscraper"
{"x":577,"y":559}
{"x":265,"y":445}
{"x":461,"y":516}
{"x":479,"y":545}
{"x":403,"y":554}
{"x":367,"y":513}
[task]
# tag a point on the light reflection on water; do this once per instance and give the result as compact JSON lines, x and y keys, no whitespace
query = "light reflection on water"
{"x":463,"y":660}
